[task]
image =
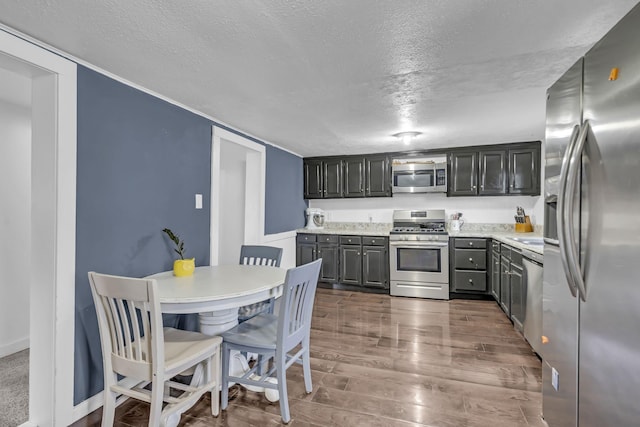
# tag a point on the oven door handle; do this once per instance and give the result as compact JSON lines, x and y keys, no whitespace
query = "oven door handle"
{"x":425,"y":244}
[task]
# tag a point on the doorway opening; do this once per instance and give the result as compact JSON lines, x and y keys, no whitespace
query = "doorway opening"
{"x":48,"y":234}
{"x":238,"y":168}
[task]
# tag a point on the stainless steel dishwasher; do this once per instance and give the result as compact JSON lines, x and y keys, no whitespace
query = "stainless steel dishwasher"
{"x":532,"y":264}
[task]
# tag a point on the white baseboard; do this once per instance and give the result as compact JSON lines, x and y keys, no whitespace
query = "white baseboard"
{"x":14,"y":347}
{"x":28,"y":424}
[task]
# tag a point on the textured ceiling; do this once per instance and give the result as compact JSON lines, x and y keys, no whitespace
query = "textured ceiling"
{"x":336,"y":76}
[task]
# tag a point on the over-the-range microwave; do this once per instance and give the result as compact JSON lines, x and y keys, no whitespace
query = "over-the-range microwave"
{"x":424,"y":175}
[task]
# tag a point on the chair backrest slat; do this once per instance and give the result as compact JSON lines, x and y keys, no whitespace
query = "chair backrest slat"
{"x":260,"y":255}
{"x":297,"y":304}
{"x":133,"y":312}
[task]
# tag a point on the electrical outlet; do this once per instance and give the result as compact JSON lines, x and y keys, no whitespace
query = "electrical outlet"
{"x":198,"y":201}
{"x":555,"y":378}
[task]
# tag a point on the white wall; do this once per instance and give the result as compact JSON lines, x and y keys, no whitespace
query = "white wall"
{"x":495,"y":210}
{"x":15,"y":212}
{"x":232,"y":201}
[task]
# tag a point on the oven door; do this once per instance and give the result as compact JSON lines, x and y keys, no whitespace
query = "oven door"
{"x":419,"y":261}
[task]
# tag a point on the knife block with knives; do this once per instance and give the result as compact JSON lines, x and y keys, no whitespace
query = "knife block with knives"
{"x":523,"y":222}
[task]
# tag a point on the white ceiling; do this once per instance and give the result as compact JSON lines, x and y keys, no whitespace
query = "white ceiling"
{"x":322,"y":77}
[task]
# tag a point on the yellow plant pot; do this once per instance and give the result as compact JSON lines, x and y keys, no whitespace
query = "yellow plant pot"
{"x":184,"y":267}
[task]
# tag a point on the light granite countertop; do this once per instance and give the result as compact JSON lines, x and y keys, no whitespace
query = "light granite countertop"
{"x":505,"y":237}
{"x":502,"y":232}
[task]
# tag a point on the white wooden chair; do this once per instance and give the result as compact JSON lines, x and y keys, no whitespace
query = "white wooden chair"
{"x":136,"y":346}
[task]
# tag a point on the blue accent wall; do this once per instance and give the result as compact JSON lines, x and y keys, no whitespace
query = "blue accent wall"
{"x":140,"y":162}
{"x":284,"y":202}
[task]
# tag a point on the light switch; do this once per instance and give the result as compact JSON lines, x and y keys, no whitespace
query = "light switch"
{"x":198,"y":201}
{"x":555,"y":378}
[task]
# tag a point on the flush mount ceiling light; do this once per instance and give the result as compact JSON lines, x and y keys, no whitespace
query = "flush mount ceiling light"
{"x":406,"y":137}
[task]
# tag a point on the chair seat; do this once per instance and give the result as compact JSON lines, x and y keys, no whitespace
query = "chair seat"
{"x":179,"y":345}
{"x":259,"y":331}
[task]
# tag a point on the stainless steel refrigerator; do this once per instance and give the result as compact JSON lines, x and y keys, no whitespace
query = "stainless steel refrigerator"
{"x":591,"y":285}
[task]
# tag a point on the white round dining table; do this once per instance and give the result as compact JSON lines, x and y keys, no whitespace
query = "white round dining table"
{"x":216,"y":292}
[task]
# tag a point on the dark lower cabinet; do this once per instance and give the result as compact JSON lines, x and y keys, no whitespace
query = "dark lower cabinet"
{"x":512,"y":292}
{"x":310,"y":247}
{"x":375,"y":267}
{"x":518,"y":293}
{"x":305,"y":253}
{"x":495,"y":270}
{"x":468,"y":265}
{"x":361,"y":261}
{"x":505,"y":283}
{"x":329,"y":254}
{"x":351,"y":264}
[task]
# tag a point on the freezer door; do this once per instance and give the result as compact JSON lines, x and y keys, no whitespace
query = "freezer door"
{"x":564,"y":106}
{"x":610,"y":318}
{"x":560,"y":350}
{"x":559,"y":305}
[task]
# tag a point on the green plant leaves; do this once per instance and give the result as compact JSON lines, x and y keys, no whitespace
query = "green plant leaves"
{"x":176,"y":240}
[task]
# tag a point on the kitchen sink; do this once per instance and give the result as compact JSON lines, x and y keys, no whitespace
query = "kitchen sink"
{"x":534,"y":241}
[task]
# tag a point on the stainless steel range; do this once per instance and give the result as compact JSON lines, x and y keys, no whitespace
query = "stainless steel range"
{"x":419,"y":254}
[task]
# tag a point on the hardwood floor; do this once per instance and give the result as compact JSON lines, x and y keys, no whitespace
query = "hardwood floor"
{"x":390,"y":361}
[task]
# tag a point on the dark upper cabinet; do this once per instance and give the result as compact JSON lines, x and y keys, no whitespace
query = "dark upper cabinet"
{"x":377,"y":176}
{"x":508,"y":169}
{"x":313,"y":179}
{"x":332,"y":178}
{"x":349,"y":176}
{"x":463,"y":173}
{"x":524,"y":170}
{"x":492,"y":172}
{"x":354,"y":177}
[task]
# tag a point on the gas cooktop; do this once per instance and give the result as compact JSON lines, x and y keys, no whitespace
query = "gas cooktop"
{"x":431,"y":221}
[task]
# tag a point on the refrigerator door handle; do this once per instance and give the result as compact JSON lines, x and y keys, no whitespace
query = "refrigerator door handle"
{"x":573,"y":256}
{"x":562,"y":196}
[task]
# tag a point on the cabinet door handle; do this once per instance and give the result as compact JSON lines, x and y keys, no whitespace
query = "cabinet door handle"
{"x":470,"y":259}
{"x":470,"y":243}
{"x":364,"y":254}
{"x":471,"y":281}
{"x":357,"y":253}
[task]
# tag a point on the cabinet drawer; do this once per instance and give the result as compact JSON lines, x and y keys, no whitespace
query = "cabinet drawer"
{"x":470,"y":243}
{"x":325,"y":238}
{"x":471,"y":259}
{"x":306,"y":238}
{"x":374,"y":241}
{"x":470,"y":281}
{"x":350,"y":240}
